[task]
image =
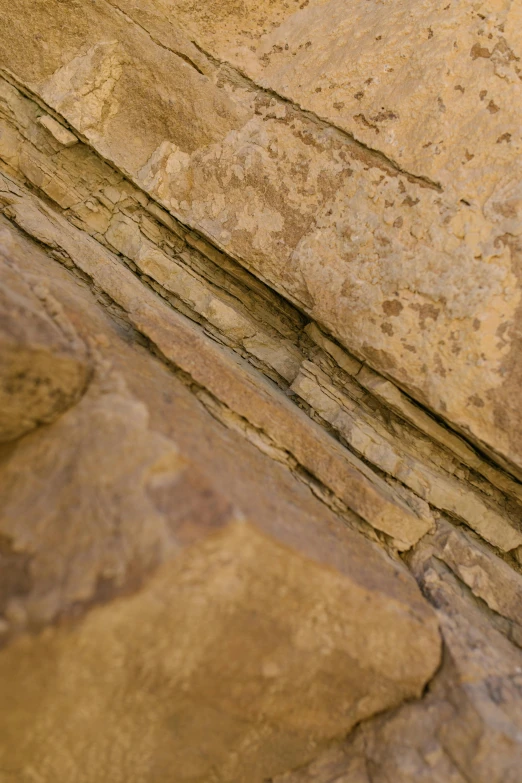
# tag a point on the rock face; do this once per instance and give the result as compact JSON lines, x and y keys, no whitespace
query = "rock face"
{"x":467,"y":726}
{"x":43,"y":370}
{"x":245,"y":636}
{"x":260,"y":421}
{"x":365,"y":164}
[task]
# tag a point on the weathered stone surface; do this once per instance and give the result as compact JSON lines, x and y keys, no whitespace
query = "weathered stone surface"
{"x":428,"y":63}
{"x":247,"y":395}
{"x":61,"y":134}
{"x":489,"y":578}
{"x":343,"y":231}
{"x":239,"y":312}
{"x":208,"y":555}
{"x":401,"y":461}
{"x":181,"y":617}
{"x":466,"y":729}
{"x":44,"y":368}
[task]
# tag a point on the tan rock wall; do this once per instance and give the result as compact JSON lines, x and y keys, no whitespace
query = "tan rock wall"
{"x":132,"y":585}
{"x":345,"y":231}
{"x":260,"y":500}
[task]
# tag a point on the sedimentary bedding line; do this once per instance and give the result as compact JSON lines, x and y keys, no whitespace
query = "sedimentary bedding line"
{"x":235,"y":73}
{"x":217,"y":407}
{"x":153,"y":38}
{"x":364,"y":494}
{"x":322,"y":122}
{"x":25,"y":91}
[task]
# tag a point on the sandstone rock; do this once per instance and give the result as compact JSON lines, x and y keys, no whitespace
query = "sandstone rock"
{"x":248,"y":395}
{"x":259,"y":279}
{"x":44,"y":369}
{"x":204,"y":636}
{"x":230,"y":649}
{"x":421,"y":228}
{"x":466,"y":728}
{"x":400,"y":461}
{"x":61,"y":134}
{"x":240,"y":312}
{"x":483,"y":736}
{"x":488,"y":577}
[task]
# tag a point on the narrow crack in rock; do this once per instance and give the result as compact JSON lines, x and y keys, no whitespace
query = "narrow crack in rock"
{"x":381,"y":159}
{"x":429,"y":504}
{"x":288,"y":361}
{"x":235,"y":74}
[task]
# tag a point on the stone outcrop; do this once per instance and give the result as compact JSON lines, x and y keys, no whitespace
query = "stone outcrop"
{"x":241,"y":622}
{"x":272,"y":128}
{"x":260,"y":420}
{"x":467,"y":726}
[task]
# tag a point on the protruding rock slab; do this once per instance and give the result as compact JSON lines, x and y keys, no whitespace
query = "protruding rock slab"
{"x":220,"y":642}
{"x":392,"y":217}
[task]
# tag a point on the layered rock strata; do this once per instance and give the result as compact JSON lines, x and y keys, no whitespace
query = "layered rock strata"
{"x":258,"y":386}
{"x":365,"y":164}
{"x":145,"y":574}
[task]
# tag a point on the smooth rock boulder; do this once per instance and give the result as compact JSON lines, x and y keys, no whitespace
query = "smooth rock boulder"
{"x":468,"y":726}
{"x":212,"y":642}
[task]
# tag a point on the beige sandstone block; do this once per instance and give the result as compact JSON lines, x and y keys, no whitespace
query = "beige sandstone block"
{"x":61,"y":134}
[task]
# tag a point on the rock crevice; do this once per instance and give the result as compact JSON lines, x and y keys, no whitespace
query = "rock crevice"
{"x":260,"y":481}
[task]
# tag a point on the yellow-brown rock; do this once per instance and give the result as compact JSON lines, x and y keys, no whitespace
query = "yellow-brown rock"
{"x":260,"y":412}
{"x":325,"y":171}
{"x":44,"y":368}
{"x":154,"y":622}
{"x":467,"y":728}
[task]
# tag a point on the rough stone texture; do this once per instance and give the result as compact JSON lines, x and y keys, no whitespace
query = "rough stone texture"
{"x":467,"y":727}
{"x":392,"y":219}
{"x":132,"y":584}
{"x":44,"y":367}
{"x":258,"y":385}
{"x":242,"y":314}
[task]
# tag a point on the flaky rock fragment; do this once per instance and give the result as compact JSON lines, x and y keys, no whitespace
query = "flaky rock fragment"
{"x":61,"y":134}
{"x":489,"y":578}
{"x":43,"y":370}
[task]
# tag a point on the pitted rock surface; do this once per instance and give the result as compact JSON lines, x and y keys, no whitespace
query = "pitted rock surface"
{"x":260,"y":414}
